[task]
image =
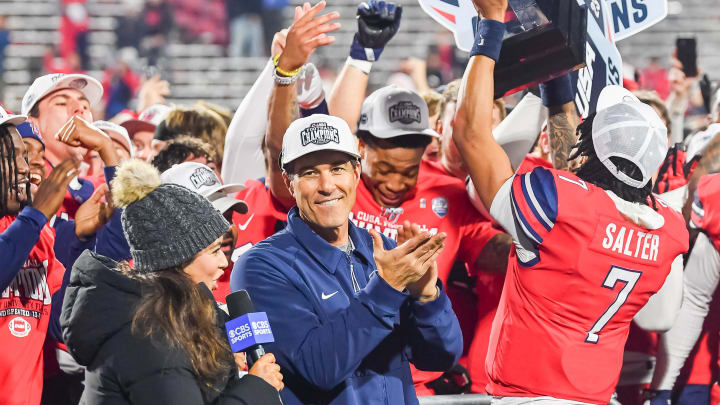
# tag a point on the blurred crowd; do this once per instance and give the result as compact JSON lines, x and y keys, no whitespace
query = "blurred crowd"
{"x":127,"y":220}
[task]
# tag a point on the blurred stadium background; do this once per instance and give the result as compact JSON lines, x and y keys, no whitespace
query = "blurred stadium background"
{"x":186,"y":42}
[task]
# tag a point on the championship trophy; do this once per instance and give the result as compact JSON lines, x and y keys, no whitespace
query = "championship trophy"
{"x":544,"y":39}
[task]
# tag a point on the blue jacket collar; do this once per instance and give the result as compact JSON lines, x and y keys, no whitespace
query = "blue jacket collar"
{"x":323,"y":252}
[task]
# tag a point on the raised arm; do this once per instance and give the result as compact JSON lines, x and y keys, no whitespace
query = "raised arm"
{"x":487,"y":163}
{"x":308,"y":32}
{"x":377,"y":24}
{"x":557,"y":95}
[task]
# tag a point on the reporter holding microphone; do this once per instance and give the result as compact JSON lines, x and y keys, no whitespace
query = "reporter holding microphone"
{"x":152,"y":333}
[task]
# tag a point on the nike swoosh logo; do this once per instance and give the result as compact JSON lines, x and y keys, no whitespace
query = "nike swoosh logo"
{"x":245,"y":225}
{"x":328,"y":295}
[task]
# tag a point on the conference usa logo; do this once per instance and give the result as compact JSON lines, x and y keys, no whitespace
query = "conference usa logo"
{"x":405,"y":112}
{"x":319,"y":133}
{"x":440,"y":206}
{"x":202,"y":177}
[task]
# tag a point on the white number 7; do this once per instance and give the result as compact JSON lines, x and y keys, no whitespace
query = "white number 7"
{"x":630,"y":278}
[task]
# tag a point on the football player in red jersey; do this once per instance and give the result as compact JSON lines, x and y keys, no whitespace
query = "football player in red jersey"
{"x":701,"y":276}
{"x":393,"y":132}
{"x":31,"y":291}
{"x":591,"y":248}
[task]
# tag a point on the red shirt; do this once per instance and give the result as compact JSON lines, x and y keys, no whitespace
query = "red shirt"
{"x":439,"y":204}
{"x":531,"y":161}
{"x":582,"y":273}
{"x":265,"y":216}
{"x":489,"y":287}
{"x":24,"y":316}
{"x":705,"y":215}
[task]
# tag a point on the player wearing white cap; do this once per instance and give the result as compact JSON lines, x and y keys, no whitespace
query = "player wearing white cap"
{"x":591,"y":247}
{"x":52,"y":100}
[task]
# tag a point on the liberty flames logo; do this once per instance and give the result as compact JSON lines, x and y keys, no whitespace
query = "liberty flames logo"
{"x":319,"y":133}
{"x":406,"y":112}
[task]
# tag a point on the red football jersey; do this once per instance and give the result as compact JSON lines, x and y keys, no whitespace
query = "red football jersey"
{"x":24,"y":316}
{"x":438,"y":204}
{"x":530,"y":162}
{"x":705,"y":213}
{"x":265,"y":216}
{"x":578,"y":276}
{"x":489,"y":287}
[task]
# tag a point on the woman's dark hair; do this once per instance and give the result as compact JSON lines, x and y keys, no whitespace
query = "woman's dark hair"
{"x":8,"y":169}
{"x":594,"y":171}
{"x":413,"y":141}
{"x":174,"y":308}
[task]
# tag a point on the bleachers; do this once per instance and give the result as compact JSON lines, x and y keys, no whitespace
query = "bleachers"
{"x":202,"y":70}
{"x":698,"y":17}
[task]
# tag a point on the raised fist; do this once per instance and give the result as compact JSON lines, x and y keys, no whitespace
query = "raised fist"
{"x":378,"y":21}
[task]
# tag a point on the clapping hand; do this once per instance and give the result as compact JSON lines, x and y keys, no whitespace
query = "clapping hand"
{"x":410,"y":265}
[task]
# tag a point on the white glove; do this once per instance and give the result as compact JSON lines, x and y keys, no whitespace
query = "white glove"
{"x":309,"y":86}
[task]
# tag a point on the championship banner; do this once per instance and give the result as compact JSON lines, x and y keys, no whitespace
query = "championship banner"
{"x":603,"y":63}
{"x":458,"y":16}
{"x":632,"y":16}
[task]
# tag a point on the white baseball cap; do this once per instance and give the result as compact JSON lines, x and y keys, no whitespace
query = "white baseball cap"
{"x":315,"y":133}
{"x":44,"y":85}
{"x":697,"y":142}
{"x":148,"y":120}
{"x":117,"y":129}
{"x":7,"y":118}
{"x":203,"y":180}
{"x":627,"y":128}
{"x":393,"y":111}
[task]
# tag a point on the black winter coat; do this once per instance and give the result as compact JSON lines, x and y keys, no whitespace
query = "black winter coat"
{"x":126,"y":369}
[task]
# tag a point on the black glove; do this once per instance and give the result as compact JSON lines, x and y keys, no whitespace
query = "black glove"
{"x":452,"y":382}
{"x":378,"y":21}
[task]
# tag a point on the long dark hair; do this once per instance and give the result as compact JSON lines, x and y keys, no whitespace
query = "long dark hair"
{"x":8,"y":170}
{"x":174,"y":308}
{"x":594,"y":171}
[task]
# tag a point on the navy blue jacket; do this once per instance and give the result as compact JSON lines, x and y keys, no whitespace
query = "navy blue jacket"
{"x":336,"y":346}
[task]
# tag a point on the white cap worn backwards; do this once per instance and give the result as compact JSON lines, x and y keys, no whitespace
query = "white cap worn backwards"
{"x":202,"y":180}
{"x":625,"y":127}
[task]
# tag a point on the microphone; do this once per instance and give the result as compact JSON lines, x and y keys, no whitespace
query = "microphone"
{"x":247,"y":329}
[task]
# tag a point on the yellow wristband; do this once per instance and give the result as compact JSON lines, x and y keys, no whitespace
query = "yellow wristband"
{"x":283,"y":72}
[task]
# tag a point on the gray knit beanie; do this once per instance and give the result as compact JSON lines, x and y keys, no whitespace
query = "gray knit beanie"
{"x":165,"y":224}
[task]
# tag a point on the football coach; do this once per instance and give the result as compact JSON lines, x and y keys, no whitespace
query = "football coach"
{"x":349,"y":310}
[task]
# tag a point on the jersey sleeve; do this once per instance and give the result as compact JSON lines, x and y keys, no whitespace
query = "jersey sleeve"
{"x":705,"y":212}
{"x":526,"y":206}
